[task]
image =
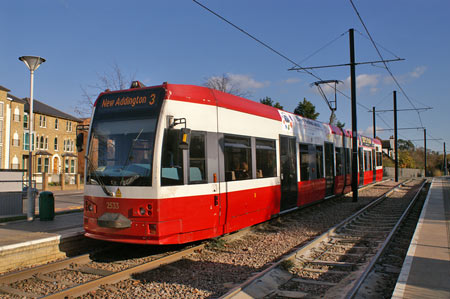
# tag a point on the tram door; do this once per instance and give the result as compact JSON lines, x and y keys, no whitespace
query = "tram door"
{"x":329,"y":168}
{"x":361,"y":166}
{"x":288,"y":173}
{"x":374,"y":165}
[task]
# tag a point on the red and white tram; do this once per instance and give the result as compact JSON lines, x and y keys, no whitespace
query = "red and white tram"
{"x":176,"y":163}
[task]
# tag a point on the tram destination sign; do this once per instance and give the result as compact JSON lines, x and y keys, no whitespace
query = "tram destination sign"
{"x":139,"y":101}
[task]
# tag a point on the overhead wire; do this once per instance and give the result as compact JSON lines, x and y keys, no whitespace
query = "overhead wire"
{"x":278,"y":52}
{"x":384,"y":63}
{"x":311,"y":73}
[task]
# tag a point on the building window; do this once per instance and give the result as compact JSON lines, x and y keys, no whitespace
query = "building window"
{"x":1,"y":131}
{"x":25,"y":121}
{"x":26,"y":141}
{"x":66,"y":165}
{"x":72,"y":166}
{"x":68,"y":126}
{"x":266,"y":161}
{"x":56,"y":124}
{"x":46,"y":143}
{"x":37,"y":142}
{"x":16,"y":140}
{"x":238,"y":158}
{"x":56,"y":143}
{"x":39,"y":164}
{"x":1,"y":109}
{"x":46,"y":165}
{"x":197,"y":158}
{"x":41,"y":143}
{"x":42,"y":121}
{"x":16,"y":115}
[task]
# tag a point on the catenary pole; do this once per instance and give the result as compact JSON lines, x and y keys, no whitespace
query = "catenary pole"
{"x":445,"y":161}
{"x":354,"y":120}
{"x":374,"y":123}
{"x":425,"y":149}
{"x":395,"y":136}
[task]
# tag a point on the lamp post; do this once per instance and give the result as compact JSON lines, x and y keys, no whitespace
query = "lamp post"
{"x":32,"y":62}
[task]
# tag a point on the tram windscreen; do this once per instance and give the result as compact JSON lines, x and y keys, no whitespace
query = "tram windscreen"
{"x":122,"y":139}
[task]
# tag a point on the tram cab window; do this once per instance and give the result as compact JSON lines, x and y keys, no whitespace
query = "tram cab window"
{"x":172,"y":159}
{"x":319,"y":161}
{"x":266,"y":162}
{"x":306,"y":159}
{"x":238,"y":160}
{"x":197,"y":158}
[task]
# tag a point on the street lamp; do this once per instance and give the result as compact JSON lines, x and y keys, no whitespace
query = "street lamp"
{"x":32,"y":62}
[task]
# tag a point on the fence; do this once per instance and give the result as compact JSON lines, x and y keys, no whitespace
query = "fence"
{"x":403,"y":172}
{"x":11,"y":190}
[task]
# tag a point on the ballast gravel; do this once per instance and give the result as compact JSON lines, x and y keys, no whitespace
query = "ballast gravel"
{"x":219,"y":267}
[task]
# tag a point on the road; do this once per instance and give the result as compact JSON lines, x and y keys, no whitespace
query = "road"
{"x":64,"y":201}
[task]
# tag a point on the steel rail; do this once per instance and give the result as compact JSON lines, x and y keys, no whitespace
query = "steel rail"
{"x":357,"y":284}
{"x":27,"y":273}
{"x":122,"y":275}
{"x":296,"y":251}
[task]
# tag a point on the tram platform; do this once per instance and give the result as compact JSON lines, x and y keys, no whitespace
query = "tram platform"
{"x":426,"y":269}
{"x":24,"y":243}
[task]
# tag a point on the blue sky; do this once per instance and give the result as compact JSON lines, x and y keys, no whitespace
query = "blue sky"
{"x":180,"y":42}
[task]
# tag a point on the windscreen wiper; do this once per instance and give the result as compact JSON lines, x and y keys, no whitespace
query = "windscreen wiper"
{"x":99,"y":181}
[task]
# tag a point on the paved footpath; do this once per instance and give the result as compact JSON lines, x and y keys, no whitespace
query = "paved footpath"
{"x":426,"y":270}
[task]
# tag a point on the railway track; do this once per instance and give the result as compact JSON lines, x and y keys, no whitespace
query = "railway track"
{"x":337,"y":263}
{"x":80,"y":275}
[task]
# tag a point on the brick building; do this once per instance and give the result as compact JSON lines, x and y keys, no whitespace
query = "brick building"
{"x":53,"y":141}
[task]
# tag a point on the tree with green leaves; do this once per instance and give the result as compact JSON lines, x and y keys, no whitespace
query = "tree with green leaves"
{"x":269,"y":102}
{"x":405,"y":145}
{"x":306,"y":109}
{"x":340,"y":125}
{"x":335,"y":122}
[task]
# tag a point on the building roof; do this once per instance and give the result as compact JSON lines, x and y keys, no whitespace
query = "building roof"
{"x":41,"y":108}
{"x":16,"y":99}
{"x":4,"y":89}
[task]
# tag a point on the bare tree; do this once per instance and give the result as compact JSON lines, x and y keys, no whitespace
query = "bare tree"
{"x":115,"y":79}
{"x":226,"y":84}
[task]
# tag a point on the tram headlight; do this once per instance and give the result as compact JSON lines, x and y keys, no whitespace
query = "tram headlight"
{"x":142,"y":211}
{"x":90,"y":207}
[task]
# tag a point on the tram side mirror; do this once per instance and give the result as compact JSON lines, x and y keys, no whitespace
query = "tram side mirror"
{"x":80,"y":139}
{"x":185,"y":138}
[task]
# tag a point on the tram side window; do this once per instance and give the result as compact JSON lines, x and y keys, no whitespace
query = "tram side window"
{"x":238,"y":159}
{"x":319,"y":161}
{"x":197,"y":158}
{"x":266,"y":162}
{"x":367,"y":161}
{"x":348,"y":161}
{"x":379,"y":159}
{"x":305,"y":162}
{"x":172,"y":159}
{"x":339,"y":161}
